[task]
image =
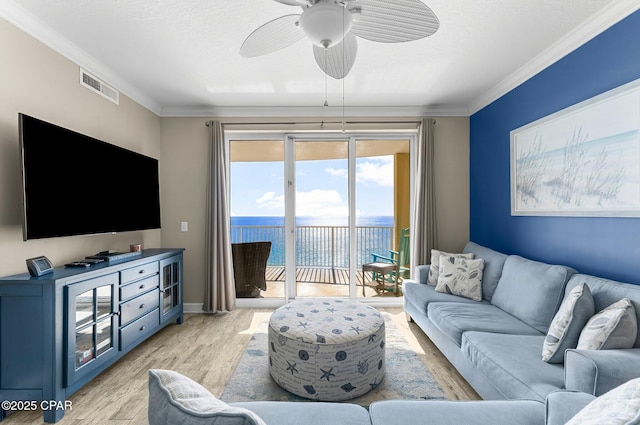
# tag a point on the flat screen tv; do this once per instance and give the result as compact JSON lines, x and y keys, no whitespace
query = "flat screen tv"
{"x":77,"y":185}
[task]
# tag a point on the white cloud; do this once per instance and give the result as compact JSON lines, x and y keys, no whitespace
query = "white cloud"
{"x":337,"y":172}
{"x":377,"y":171}
{"x":315,"y":203}
{"x":270,"y":202}
{"x":321,"y":203}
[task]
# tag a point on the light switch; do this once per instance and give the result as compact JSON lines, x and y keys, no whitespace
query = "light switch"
{"x":184,"y":226}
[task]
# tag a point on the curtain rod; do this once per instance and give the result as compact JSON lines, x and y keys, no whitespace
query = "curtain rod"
{"x":312,"y":122}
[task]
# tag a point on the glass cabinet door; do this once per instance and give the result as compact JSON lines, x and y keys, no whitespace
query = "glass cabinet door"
{"x":92,"y":314}
{"x":170,"y":287}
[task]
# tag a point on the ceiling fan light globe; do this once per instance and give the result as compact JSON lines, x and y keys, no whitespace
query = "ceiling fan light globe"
{"x":326,"y":24}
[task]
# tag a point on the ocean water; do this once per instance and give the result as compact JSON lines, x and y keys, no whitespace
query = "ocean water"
{"x":320,"y":242}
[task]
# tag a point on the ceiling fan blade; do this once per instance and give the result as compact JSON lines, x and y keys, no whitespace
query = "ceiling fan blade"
{"x":300,"y":3}
{"x":338,"y":60}
{"x":272,"y":36}
{"x":393,"y":21}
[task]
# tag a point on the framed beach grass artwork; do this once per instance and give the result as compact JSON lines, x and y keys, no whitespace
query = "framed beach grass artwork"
{"x":581,"y":161}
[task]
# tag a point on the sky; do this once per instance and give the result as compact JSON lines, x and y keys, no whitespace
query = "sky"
{"x":257,"y":188}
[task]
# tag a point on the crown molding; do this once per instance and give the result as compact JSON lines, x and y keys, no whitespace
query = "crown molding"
{"x":31,"y":25}
{"x":576,"y":38}
{"x":313,"y":111}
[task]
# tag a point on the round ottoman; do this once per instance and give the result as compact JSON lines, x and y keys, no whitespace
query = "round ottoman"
{"x":327,"y":349}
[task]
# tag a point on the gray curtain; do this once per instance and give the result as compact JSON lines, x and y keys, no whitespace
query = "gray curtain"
{"x":425,"y":235}
{"x":220,"y":292}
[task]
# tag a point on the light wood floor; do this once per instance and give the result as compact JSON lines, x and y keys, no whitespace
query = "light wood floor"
{"x":206,"y":348}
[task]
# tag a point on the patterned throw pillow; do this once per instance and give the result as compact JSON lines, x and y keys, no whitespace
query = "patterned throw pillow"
{"x":176,"y":399}
{"x":614,"y":327}
{"x":564,"y":331}
{"x":461,"y":276}
{"x":434,"y":268}
{"x":620,"y":406}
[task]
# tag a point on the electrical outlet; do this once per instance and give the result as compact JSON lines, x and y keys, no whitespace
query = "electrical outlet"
{"x":184,"y":226}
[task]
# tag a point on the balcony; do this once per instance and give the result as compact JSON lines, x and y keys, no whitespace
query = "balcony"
{"x":322,"y":256}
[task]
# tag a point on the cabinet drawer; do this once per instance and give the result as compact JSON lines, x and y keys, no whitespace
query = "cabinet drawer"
{"x":134,"y":289}
{"x":139,"y":328}
{"x":139,"y":306}
{"x":135,"y":273}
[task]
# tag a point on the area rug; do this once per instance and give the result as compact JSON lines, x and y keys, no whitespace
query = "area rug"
{"x":406,"y":376}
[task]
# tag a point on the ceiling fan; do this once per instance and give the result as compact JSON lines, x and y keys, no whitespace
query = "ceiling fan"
{"x":333,"y":25}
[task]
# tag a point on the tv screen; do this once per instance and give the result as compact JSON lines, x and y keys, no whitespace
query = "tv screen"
{"x":77,"y":185}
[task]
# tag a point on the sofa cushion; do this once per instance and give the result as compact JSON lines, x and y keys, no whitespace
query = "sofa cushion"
{"x":422,"y":295}
{"x":308,"y":413}
{"x":619,"y":406}
{"x":614,"y":327}
{"x":434,"y":412}
{"x":453,"y":319}
{"x":606,"y":292}
{"x":434,"y":269}
{"x":461,"y":276}
{"x":576,"y":309}
{"x":176,"y":399}
{"x":512,"y":364}
{"x":530,"y":290}
{"x":493,"y":264}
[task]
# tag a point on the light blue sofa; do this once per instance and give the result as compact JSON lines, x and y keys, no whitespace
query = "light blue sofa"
{"x":496,"y":344}
{"x":176,"y":399}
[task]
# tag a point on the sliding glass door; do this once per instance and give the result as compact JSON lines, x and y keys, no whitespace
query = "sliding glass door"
{"x":327,"y":203}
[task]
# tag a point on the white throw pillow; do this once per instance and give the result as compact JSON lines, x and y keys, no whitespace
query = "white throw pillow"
{"x":574,"y":313}
{"x":434,"y":268}
{"x":176,"y":399}
{"x":620,"y":406}
{"x":461,"y":276}
{"x":614,"y":327}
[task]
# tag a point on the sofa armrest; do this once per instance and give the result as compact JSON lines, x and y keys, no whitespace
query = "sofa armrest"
{"x":598,"y":371}
{"x":422,"y":273}
{"x":564,"y":405}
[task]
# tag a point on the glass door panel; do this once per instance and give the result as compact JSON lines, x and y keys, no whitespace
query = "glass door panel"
{"x":104,"y":302}
{"x":84,"y":308}
{"x":103,"y":336}
{"x":382,"y":193}
{"x":322,"y":218}
{"x":84,"y":345}
{"x":257,"y":216}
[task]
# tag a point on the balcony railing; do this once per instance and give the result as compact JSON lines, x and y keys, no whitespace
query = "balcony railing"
{"x":320,"y":246}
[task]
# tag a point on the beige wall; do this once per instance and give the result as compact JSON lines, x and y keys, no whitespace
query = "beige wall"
{"x":452,"y":182}
{"x":185,"y":151}
{"x":37,"y":81}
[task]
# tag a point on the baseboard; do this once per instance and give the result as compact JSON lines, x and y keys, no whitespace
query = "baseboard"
{"x":192,"y":308}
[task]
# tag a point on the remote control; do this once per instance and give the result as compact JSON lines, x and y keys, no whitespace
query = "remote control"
{"x":78,"y":264}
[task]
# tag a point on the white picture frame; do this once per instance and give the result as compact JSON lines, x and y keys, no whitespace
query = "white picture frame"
{"x":581,"y":161}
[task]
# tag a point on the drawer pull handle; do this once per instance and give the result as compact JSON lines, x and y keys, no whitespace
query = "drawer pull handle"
{"x":141,"y":305}
{"x":141,"y":287}
{"x":142,"y":328}
{"x":141,"y":271}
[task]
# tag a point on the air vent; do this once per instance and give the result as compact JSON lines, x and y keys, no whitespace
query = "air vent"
{"x":96,"y":85}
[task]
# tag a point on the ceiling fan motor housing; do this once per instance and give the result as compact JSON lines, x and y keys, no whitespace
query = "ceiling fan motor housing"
{"x":326,"y":23}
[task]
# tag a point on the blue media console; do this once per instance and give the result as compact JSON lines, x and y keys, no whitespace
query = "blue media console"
{"x":60,"y":330}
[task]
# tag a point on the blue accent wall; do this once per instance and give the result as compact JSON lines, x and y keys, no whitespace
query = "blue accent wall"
{"x":602,"y":246}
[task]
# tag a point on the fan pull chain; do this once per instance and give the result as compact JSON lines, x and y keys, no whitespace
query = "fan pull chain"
{"x":326,"y":102}
{"x":344,"y":47}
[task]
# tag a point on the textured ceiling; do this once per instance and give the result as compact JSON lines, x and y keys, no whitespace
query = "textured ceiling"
{"x":180,"y":57}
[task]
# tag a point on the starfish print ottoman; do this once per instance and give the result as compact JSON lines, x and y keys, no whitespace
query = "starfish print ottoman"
{"x":327,"y":349}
